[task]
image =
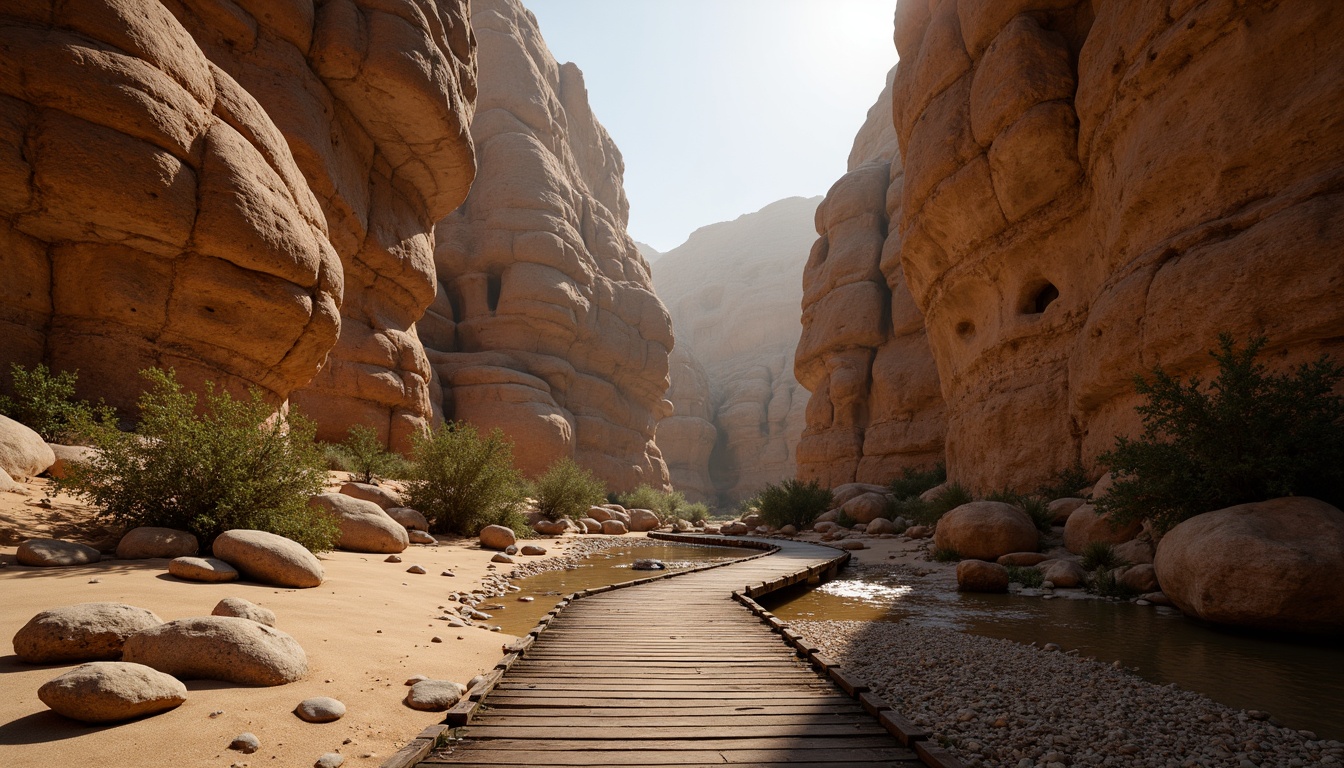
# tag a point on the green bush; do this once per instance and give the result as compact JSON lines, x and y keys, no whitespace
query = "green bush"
{"x":45,"y":403}
{"x":1067,"y":483}
{"x":567,"y":490}
{"x":230,"y":466}
{"x":793,"y":502}
{"x":364,"y":455}
{"x":1100,"y":554}
{"x":923,"y":512}
{"x":946,"y":555}
{"x":693,"y":513}
{"x":1100,"y":582}
{"x":913,"y":482}
{"x":462,"y":482}
{"x":664,"y":503}
{"x":1249,"y":436}
{"x":1026,"y":576}
{"x":1035,"y":507}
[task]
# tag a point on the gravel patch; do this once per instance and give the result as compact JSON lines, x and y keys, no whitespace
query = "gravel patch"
{"x":1000,"y":704}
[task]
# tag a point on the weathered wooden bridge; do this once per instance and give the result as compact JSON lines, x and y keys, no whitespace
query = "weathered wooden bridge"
{"x":683,"y":670}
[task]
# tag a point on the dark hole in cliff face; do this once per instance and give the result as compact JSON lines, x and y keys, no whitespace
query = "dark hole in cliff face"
{"x":966,"y":329}
{"x":1043,"y":297}
{"x":492,"y":288}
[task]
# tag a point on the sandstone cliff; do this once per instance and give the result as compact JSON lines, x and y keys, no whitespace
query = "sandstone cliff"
{"x":687,"y":437}
{"x":545,"y":323}
{"x":1093,"y":188}
{"x":875,"y":406}
{"x":232,"y":189}
{"x":733,"y":291}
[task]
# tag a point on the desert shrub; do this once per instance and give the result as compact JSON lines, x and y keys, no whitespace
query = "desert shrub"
{"x":913,"y":482}
{"x":923,"y":512}
{"x":693,"y":513}
{"x":1025,"y":575}
{"x":1250,"y":435}
{"x":1100,"y":582}
{"x":793,"y":502}
{"x":663,"y":503}
{"x":232,"y":465}
{"x":1039,"y":511}
{"x":1067,"y":483}
{"x":1100,"y":554}
{"x":461,"y":481}
{"x":946,"y":555}
{"x":567,"y":490}
{"x":843,"y":520}
{"x":364,"y":455}
{"x":45,"y":402}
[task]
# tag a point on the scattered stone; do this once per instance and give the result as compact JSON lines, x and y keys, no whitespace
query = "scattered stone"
{"x":392,"y":559}
{"x":219,"y":648}
{"x":269,"y":558}
{"x":244,"y":609}
{"x":148,"y":541}
{"x":526,"y":599}
{"x":108,"y":691}
{"x":1065,"y":574}
{"x":1156,"y":598}
{"x":614,"y":528}
{"x":434,"y":695}
{"x":54,"y":553}
{"x":533,"y":550}
{"x":409,"y":518}
{"x":918,"y":531}
{"x":600,"y":514}
{"x":731,"y":529}
{"x":881,"y":525}
{"x":648,"y":564}
{"x":980,"y":576}
{"x":364,"y":526}
{"x":320,"y":709}
{"x":415,"y":569}
{"x":497,"y":537}
{"x":420,"y":537}
{"x":500,"y":557}
{"x":986,"y":530}
{"x":413,"y":679}
{"x":385,"y":498}
{"x":207,"y":569}
{"x":447,"y":573}
{"x":83,"y":632}
{"x":1022,"y":559}
{"x":330,"y":760}
{"x":788,"y":530}
{"x":247,"y":743}
{"x":1138,"y":551}
{"x":852,"y":544}
{"x":436,"y":639}
{"x":23,"y":452}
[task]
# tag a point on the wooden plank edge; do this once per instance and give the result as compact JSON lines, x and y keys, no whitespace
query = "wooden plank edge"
{"x":905,"y":731}
{"x":416,"y":749}
{"x":935,"y":756}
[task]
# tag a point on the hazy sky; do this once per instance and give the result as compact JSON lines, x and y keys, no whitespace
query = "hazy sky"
{"x":723,"y":106}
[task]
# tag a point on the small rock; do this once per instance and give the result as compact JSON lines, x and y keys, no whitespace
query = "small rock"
{"x":243,"y":609}
{"x":436,"y":639}
{"x":434,"y":695}
{"x":54,"y":553}
{"x":392,"y":559}
{"x":413,"y":679}
{"x":216,"y":713}
{"x":1050,"y":647}
{"x":247,"y":743}
{"x":648,"y":564}
{"x":500,"y":557}
{"x":533,"y":550}
{"x":320,"y":709}
{"x":497,"y":537}
{"x":420,"y":537}
{"x":149,"y":542}
{"x":206,"y":569}
{"x":330,"y":760}
{"x":415,"y":569}
{"x":512,"y":549}
{"x":526,"y":599}
{"x":447,"y":573}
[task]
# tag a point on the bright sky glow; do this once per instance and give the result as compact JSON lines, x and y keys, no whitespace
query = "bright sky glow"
{"x":723,"y":106}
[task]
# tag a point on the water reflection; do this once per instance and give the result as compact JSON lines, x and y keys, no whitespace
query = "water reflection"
{"x":1300,"y":682}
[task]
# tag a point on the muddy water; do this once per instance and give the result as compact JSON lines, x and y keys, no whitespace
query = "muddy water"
{"x":1300,"y":683}
{"x":596,"y":570}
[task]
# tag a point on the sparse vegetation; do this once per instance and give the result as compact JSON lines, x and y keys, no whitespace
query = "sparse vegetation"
{"x":913,"y":482}
{"x":364,"y":455}
{"x":1250,"y":435}
{"x":1067,"y":483}
{"x":1034,"y":506}
{"x":1099,"y":554}
{"x":233,"y":465}
{"x":793,"y":502}
{"x":665,"y":504}
{"x":567,"y":490}
{"x":844,"y":520}
{"x":946,"y":555}
{"x":1026,"y":576}
{"x":463,"y":482}
{"x":923,"y":512}
{"x":1102,"y":583}
{"x":693,"y":513}
{"x":45,"y":402}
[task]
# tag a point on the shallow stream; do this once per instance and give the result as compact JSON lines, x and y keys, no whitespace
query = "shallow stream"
{"x":1300,"y":683}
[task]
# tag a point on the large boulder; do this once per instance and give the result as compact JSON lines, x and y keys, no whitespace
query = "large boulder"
{"x":979,"y":576}
{"x":843,"y":493}
{"x":1060,"y":509}
{"x":67,"y":455}
{"x":148,"y":541}
{"x":244,"y":609}
{"x":591,"y":525}
{"x":614,"y":528}
{"x":1141,"y":578}
{"x":733,"y":529}
{"x":23,"y":452}
{"x":600,"y":514}
{"x":986,"y":530}
{"x":551,"y":527}
{"x":642,"y":520}
{"x":865,"y":507}
{"x":108,"y":691}
{"x":498,"y":537}
{"x":207,"y":569}
{"x":1065,"y":574}
{"x":220,"y":648}
{"x":269,"y":558}
{"x":1086,"y":526}
{"x":383,"y":497}
{"x":54,"y":553}
{"x":365,"y":527}
{"x":1274,"y":564}
{"x":83,"y":632}
{"x":410,"y":519}
{"x":881,"y":525}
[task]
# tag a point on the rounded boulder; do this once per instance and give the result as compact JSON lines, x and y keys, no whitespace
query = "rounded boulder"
{"x":207,"y":569}
{"x":68,"y":455}
{"x":55,"y":553}
{"x":1274,"y":564}
{"x":320,"y":709}
{"x":383,"y":497}
{"x":148,"y":541}
{"x":83,"y":632}
{"x":108,"y":691}
{"x":642,"y":520}
{"x":986,"y":530}
{"x":220,"y":648}
{"x":244,"y":609}
{"x":614,"y":527}
{"x":980,"y":576}
{"x":269,"y":558}
{"x":1086,"y":526}
{"x":23,"y":452}
{"x":600,"y":514}
{"x":591,"y":525}
{"x":434,"y":695}
{"x":410,"y":519}
{"x":498,"y":537}
{"x":364,"y":526}
{"x":866,"y":507}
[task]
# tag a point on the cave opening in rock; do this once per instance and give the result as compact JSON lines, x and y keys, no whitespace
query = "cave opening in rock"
{"x":492,"y":289}
{"x":1042,"y":298}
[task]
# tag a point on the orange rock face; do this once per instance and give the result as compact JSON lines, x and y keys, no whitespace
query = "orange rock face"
{"x":545,"y":322}
{"x":876,"y":406}
{"x":687,"y":437}
{"x":227,"y":189}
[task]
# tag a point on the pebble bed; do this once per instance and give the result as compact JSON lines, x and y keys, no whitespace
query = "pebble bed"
{"x":1000,"y":704}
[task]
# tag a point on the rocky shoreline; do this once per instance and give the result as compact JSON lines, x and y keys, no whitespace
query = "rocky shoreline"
{"x":999,"y":704}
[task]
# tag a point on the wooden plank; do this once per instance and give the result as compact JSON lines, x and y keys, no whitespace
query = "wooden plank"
{"x":620,"y":730}
{"x":676,"y":742}
{"x":832,"y":757}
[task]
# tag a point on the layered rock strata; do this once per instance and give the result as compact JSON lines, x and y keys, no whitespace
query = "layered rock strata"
{"x":876,"y":406}
{"x":233,"y":190}
{"x":687,"y":437}
{"x":1090,"y":189}
{"x":545,"y":323}
{"x":733,"y":291}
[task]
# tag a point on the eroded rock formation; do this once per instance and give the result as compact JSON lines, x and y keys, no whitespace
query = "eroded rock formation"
{"x":876,"y":406}
{"x":733,"y":291}
{"x":1093,"y":188}
{"x":227,"y":188}
{"x":687,"y":437}
{"x":545,"y":322}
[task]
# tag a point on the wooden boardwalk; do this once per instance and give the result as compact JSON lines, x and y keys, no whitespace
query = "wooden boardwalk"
{"x":676,"y":672}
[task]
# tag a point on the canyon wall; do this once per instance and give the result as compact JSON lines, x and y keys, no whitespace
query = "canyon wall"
{"x":876,"y":406}
{"x":733,"y":291}
{"x":1094,"y":188}
{"x":687,"y":437}
{"x":545,"y":323}
{"x":235,"y":190}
